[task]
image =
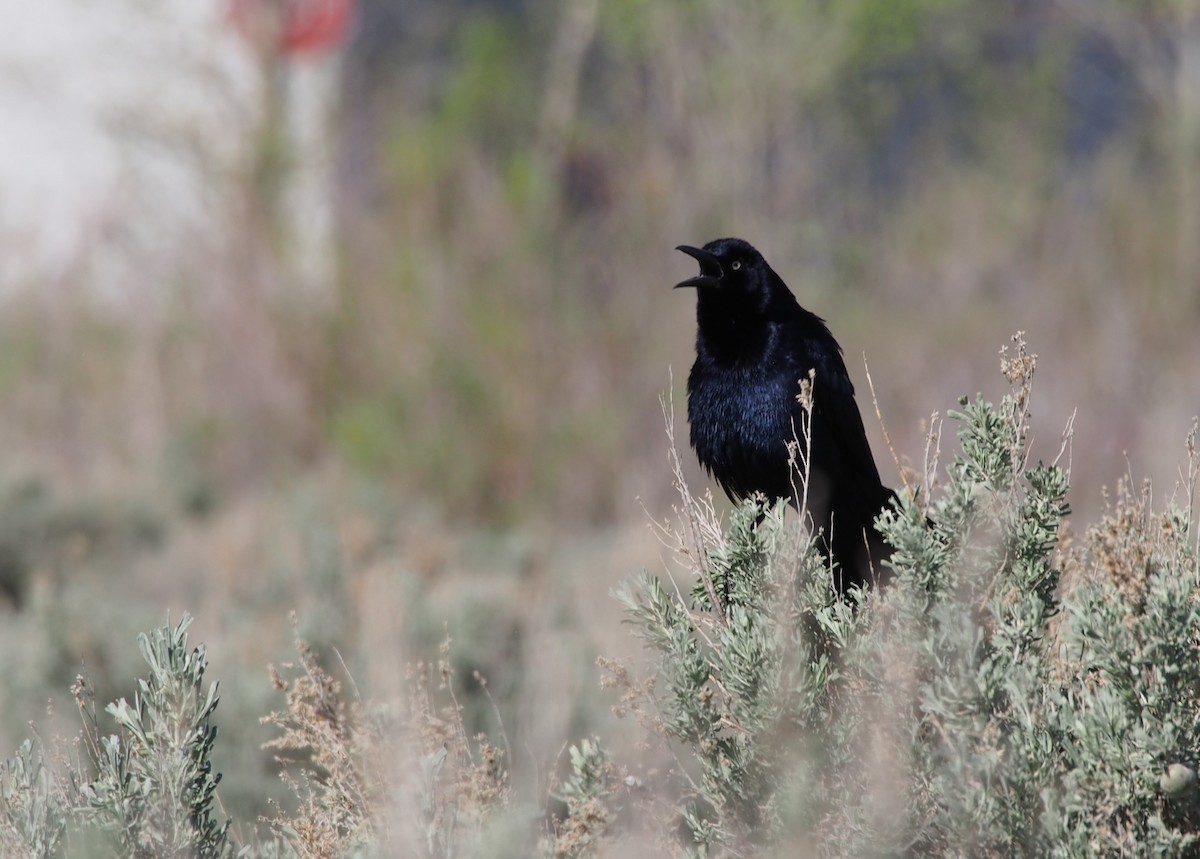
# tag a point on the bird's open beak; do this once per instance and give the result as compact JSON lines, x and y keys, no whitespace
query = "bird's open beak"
{"x":710,"y":268}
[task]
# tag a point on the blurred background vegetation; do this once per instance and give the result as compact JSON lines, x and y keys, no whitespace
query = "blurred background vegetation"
{"x":379,"y":336}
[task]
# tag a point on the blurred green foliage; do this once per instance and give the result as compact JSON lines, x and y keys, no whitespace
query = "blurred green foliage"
{"x":498,"y":324}
{"x":521,"y":266}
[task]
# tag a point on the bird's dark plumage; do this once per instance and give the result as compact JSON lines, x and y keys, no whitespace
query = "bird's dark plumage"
{"x":754,"y":344}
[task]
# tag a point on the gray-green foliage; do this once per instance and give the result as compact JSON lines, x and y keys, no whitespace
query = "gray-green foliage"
{"x":154,"y":787}
{"x":586,"y":791}
{"x":738,"y":680}
{"x":147,"y":791}
{"x":1008,"y":694}
{"x":1130,"y":720}
{"x":978,"y":706}
{"x":588,"y":777}
{"x":33,"y":816}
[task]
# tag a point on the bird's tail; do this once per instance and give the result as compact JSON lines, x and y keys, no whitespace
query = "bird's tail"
{"x":857,"y":549}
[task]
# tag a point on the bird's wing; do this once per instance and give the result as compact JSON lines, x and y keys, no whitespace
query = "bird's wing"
{"x":837,"y":410}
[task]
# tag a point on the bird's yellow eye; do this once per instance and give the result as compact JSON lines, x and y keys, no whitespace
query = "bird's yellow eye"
{"x":737,"y":263}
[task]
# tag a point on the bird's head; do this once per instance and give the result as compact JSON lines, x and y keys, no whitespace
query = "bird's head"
{"x":733,"y":268}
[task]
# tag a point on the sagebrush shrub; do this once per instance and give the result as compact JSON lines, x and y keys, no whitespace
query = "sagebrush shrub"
{"x":973,"y":708}
{"x":1016,"y":690}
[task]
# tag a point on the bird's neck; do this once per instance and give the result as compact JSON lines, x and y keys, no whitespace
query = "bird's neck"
{"x":730,"y":332}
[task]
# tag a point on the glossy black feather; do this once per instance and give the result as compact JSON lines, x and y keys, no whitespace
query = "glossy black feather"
{"x":754,"y":344}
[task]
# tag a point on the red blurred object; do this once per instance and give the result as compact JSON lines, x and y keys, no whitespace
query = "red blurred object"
{"x":293,"y":26}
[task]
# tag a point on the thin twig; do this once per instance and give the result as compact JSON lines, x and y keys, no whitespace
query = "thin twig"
{"x":693,"y":513}
{"x":482,"y":681}
{"x":933,"y":458}
{"x":1068,"y":437}
{"x":887,"y":438}
{"x":1193,"y":475}
{"x":349,"y":676}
